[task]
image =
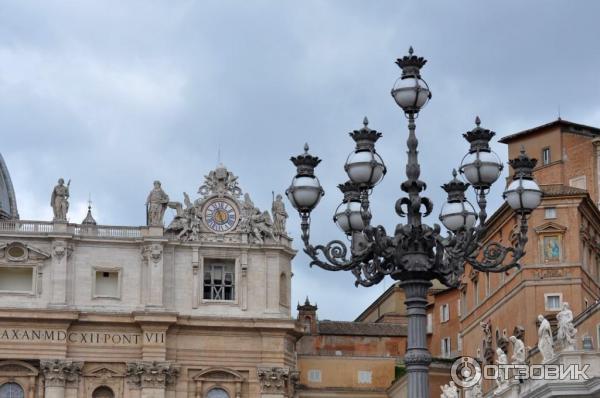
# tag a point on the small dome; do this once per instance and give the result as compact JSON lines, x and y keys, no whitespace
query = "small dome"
{"x":8,"y":202}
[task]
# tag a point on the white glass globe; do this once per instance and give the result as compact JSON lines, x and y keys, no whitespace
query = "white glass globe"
{"x":348,"y":217}
{"x":365,"y":167}
{"x":523,"y":195}
{"x":455,"y":215}
{"x":305,"y":192}
{"x":410,"y":92}
{"x":481,"y":168}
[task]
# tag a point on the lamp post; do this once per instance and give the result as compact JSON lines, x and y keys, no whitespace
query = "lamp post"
{"x":416,"y":253}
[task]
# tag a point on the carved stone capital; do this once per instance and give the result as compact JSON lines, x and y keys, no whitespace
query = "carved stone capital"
{"x":60,"y":249}
{"x":151,"y":375}
{"x":274,"y":380}
{"x":152,"y":252}
{"x":57,"y":372}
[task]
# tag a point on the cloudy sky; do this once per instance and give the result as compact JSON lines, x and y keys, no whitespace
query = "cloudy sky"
{"x":115,"y":94}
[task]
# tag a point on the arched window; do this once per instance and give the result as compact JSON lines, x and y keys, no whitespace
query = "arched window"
{"x":103,"y":392}
{"x":307,"y":324}
{"x":11,"y":390}
{"x":217,"y":393}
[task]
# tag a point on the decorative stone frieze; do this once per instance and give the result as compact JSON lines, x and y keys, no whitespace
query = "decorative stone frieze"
{"x":273,"y":380}
{"x":151,"y":374}
{"x":58,"y":372}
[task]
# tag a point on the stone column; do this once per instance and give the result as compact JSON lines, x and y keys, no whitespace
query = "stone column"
{"x":58,"y":375}
{"x":417,"y":357}
{"x":274,"y":382}
{"x":151,"y":378}
{"x":152,"y":255}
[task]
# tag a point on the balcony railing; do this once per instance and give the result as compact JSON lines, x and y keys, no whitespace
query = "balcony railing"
{"x":46,"y":227}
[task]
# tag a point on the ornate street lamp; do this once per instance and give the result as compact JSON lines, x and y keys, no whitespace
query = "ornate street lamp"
{"x":416,"y":253}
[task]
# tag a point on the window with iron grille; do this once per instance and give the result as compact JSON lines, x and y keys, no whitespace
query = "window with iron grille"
{"x":219,"y":279}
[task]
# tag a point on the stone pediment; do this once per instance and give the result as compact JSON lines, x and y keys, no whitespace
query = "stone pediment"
{"x":17,"y":368}
{"x":104,"y":373}
{"x":19,"y":251}
{"x":550,"y":227}
{"x":219,"y":374}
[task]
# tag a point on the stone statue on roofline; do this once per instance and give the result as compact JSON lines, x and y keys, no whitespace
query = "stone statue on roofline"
{"x":280,"y":216}
{"x":156,"y":204}
{"x":566,"y":331}
{"x":59,"y":200}
{"x":545,"y":344}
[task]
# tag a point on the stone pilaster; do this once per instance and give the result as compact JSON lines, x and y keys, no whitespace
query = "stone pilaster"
{"x":58,"y":375}
{"x":152,"y":256}
{"x":60,"y":254}
{"x":276,"y":382}
{"x":152,"y":378}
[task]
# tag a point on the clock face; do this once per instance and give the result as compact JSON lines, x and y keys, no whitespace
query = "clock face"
{"x":220,"y":216}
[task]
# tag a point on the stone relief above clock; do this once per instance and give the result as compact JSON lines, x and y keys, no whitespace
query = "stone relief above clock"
{"x":221,"y":210}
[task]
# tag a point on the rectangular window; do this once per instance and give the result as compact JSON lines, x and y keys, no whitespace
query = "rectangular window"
{"x":553,"y":301}
{"x":429,"y":323}
{"x":314,"y":375}
{"x":365,"y":377}
{"x":463,"y":298}
{"x":16,"y":279}
{"x":550,"y":212}
{"x":106,"y":284}
{"x":546,"y":156}
{"x":458,"y":342}
{"x":476,"y":292}
{"x":488,"y":288}
{"x":219,"y":279}
{"x":444,"y":313}
{"x":459,"y":307}
{"x":446,"y":347}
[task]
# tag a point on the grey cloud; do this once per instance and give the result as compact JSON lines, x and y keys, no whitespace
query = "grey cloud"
{"x":116,"y":94}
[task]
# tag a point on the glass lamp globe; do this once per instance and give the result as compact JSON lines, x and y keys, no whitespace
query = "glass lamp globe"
{"x":365,"y":168}
{"x":523,"y":195}
{"x":348,"y":216}
{"x":411,"y":93}
{"x":305,"y":193}
{"x":481,"y":168}
{"x":456,"y":215}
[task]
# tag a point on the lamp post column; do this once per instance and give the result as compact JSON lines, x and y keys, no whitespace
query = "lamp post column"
{"x":417,"y":357}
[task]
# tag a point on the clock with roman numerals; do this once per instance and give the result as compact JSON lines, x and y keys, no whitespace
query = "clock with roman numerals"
{"x":220,"y":215}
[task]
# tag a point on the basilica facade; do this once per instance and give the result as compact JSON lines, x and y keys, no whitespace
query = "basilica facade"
{"x":197,"y":307}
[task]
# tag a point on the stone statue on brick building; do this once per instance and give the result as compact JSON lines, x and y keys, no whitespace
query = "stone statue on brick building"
{"x":449,"y":390}
{"x":545,"y":344}
{"x":60,"y":200}
{"x":501,"y":361}
{"x":566,"y":331}
{"x":156,"y":204}
{"x":488,"y":351}
{"x":518,"y":355}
